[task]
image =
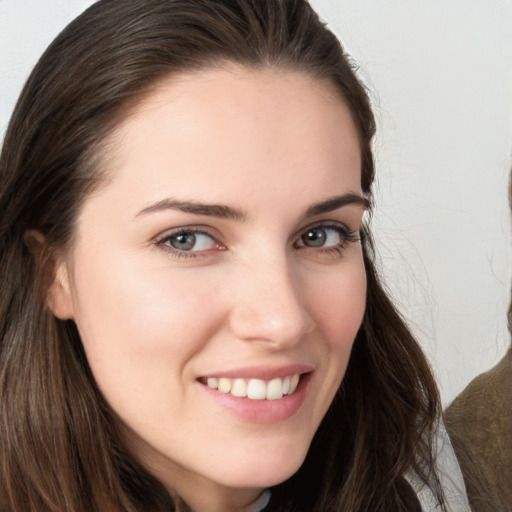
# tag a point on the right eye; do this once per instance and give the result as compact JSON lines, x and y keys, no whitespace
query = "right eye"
{"x":186,"y":242}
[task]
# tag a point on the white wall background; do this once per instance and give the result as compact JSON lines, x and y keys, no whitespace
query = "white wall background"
{"x":440,"y":75}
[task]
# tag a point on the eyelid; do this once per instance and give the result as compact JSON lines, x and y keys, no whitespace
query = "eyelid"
{"x":329,"y":224}
{"x":164,"y":236}
{"x":184,"y":229}
{"x":329,"y":252}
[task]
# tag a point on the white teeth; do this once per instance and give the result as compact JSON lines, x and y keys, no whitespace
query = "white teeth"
{"x":212,"y":382}
{"x":275,"y":389}
{"x":239,"y":388}
{"x":255,"y":389}
{"x":293,"y":383}
{"x":224,"y":385}
{"x":286,"y":385}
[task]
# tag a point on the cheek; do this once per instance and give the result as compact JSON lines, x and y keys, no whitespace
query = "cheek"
{"x":140,"y":327}
{"x":141,"y":335}
{"x":339,"y":304}
{"x":130,"y":305}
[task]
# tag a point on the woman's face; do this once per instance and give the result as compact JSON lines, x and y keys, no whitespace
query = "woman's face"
{"x":222,"y":259}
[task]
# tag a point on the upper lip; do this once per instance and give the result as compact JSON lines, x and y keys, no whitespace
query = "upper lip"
{"x":262,"y":372}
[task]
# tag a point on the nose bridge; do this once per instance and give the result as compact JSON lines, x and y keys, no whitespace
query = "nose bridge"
{"x":269,"y":305}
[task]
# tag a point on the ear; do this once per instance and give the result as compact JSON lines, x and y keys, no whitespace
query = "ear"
{"x":55,"y":275}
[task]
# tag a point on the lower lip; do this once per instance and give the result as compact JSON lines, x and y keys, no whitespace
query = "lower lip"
{"x":263,"y":411}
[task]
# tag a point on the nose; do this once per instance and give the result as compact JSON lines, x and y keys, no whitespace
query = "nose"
{"x":269,"y":306}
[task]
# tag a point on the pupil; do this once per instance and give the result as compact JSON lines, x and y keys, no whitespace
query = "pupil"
{"x":184,"y":242}
{"x":314,"y":238}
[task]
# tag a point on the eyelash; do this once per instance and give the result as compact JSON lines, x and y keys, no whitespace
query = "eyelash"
{"x":164,"y":242}
{"x":346,"y":237}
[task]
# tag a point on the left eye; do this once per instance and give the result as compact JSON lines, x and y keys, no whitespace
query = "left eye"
{"x":324,"y":236}
{"x":189,"y":241}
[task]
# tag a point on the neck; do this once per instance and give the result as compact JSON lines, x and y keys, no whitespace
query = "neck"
{"x":221,"y":499}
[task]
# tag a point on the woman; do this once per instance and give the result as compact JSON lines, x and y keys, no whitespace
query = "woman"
{"x":190,"y":315}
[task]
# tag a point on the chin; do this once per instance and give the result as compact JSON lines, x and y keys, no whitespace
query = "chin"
{"x":261,"y":472}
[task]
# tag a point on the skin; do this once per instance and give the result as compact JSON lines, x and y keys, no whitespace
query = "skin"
{"x":155,"y":320}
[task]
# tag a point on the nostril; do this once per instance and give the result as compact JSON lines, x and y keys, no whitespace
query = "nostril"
{"x":269,"y":306}
{"x":278,"y":327}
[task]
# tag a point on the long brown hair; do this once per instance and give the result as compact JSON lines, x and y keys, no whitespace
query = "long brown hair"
{"x":59,"y":449}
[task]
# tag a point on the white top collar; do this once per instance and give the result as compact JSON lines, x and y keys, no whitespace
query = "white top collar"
{"x":260,"y":503}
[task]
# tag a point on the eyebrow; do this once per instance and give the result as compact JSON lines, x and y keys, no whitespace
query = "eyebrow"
{"x":334,"y":203}
{"x":228,"y":212}
{"x":197,"y":208}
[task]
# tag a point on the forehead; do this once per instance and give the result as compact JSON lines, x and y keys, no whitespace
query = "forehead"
{"x":237,"y":126}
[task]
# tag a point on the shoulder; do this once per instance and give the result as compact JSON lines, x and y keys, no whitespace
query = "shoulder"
{"x":488,"y":395}
{"x":478,"y":422}
{"x":482,"y":413}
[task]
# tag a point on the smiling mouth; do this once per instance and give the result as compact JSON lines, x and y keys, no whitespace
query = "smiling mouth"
{"x":255,"y":389}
